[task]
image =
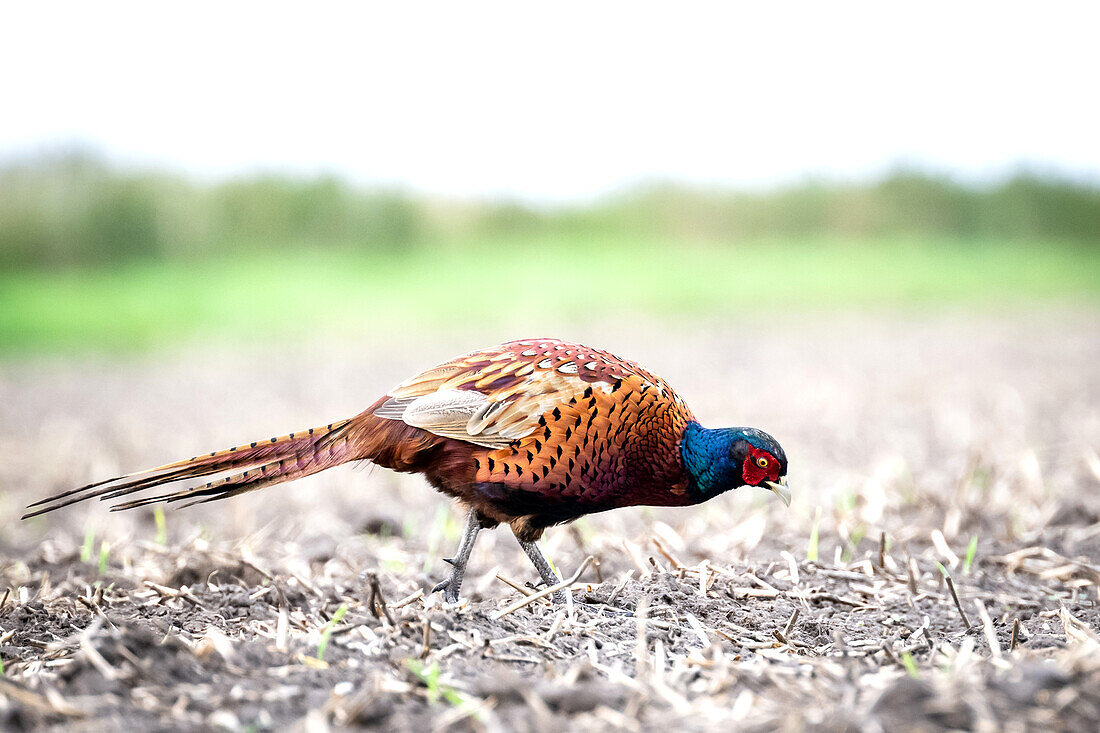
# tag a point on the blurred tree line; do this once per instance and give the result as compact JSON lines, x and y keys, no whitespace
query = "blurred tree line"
{"x":77,"y":211}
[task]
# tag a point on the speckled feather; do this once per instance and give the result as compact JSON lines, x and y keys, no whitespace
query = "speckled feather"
{"x":585,"y":431}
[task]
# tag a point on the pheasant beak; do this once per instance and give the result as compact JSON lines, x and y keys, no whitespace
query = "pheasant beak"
{"x":780,"y":489}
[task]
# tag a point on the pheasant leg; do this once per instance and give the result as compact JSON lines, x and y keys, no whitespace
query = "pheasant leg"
{"x":549,"y":577}
{"x":451,"y":585}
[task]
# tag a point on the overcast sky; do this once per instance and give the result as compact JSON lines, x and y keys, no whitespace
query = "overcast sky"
{"x":557,"y":101}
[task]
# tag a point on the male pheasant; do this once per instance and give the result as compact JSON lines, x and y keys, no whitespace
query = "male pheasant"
{"x":529,"y":433}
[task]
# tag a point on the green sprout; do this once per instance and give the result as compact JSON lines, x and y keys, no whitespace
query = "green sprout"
{"x":326,"y":632}
{"x":554,"y":567}
{"x":856,"y":536}
{"x":89,"y":542}
{"x":971,"y":549}
{"x":436,"y":534}
{"x":430,"y":677}
{"x":910,"y":665}
{"x":943,"y":569}
{"x":104,"y":553}
{"x":162,"y":525}
{"x":811,"y":549}
{"x":393,"y":564}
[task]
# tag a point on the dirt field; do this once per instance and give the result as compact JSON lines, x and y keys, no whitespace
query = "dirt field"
{"x":909,"y":437}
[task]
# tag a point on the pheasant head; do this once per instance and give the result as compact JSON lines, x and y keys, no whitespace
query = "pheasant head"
{"x":727,"y":458}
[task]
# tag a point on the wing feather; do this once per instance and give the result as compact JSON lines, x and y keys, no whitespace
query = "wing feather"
{"x":498,"y":395}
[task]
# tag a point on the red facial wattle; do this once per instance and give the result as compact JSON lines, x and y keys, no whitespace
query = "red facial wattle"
{"x":759,"y":466}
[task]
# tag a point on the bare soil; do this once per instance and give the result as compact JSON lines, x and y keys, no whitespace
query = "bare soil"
{"x":308,"y":606}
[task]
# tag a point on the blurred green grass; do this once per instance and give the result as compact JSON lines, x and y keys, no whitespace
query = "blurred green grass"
{"x":527,"y":282}
{"x":94,"y":257}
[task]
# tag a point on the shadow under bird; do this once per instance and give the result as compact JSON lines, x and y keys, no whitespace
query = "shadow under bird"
{"x":529,"y":433}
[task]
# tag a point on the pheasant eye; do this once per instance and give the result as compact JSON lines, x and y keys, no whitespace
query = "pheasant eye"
{"x":762,"y":462}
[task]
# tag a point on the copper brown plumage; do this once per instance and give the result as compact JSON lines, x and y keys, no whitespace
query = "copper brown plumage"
{"x":528,"y":433}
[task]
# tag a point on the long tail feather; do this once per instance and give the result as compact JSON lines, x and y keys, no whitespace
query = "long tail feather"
{"x":279,"y":459}
{"x":266,"y":475}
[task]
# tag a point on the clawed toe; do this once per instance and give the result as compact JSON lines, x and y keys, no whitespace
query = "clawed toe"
{"x":450,"y":594}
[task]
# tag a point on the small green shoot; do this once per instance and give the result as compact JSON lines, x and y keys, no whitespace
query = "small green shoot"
{"x":326,"y":632}
{"x":858,"y":533}
{"x":452,"y":528}
{"x":104,"y":554}
{"x":584,"y":526}
{"x":811,"y":549}
{"x":852,"y":540}
{"x":943,"y":569}
{"x":393,"y":564}
{"x":436,"y":533}
{"x":430,"y":677}
{"x":971,"y":550}
{"x":162,"y":525}
{"x":2,"y":672}
{"x":89,"y":543}
{"x":910,"y":665}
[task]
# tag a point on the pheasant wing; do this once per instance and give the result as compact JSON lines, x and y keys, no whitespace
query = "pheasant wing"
{"x":495,"y":396}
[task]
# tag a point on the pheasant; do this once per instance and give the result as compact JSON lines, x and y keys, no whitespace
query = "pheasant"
{"x":529,"y":433}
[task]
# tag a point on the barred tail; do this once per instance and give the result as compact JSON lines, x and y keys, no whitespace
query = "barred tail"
{"x":265,"y":462}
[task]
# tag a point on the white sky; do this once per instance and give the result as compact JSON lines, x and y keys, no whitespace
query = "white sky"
{"x":557,"y":101}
